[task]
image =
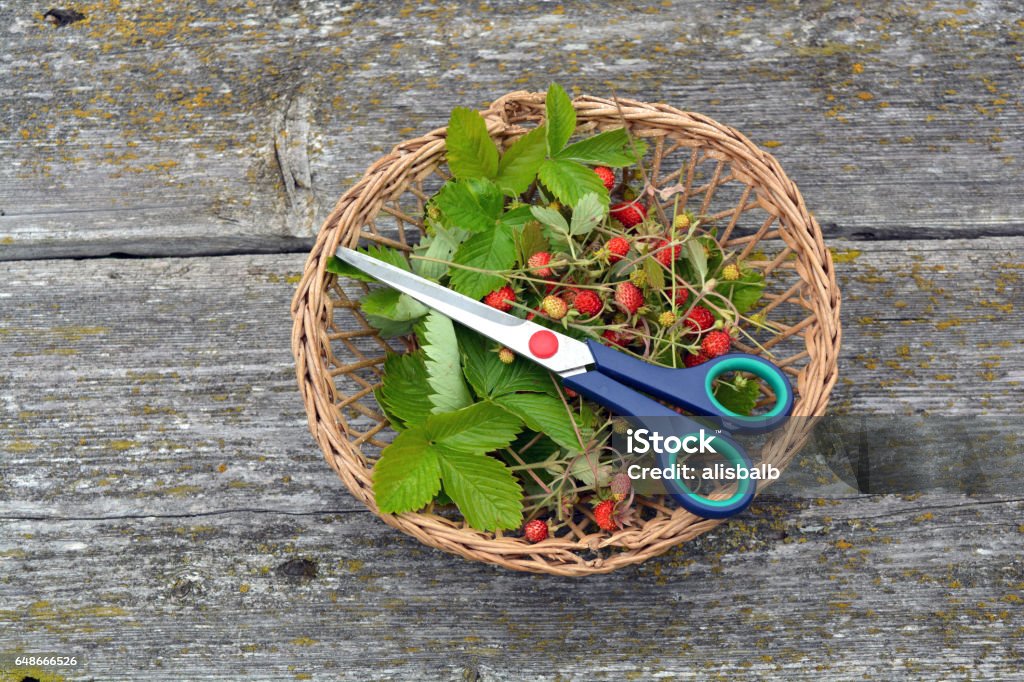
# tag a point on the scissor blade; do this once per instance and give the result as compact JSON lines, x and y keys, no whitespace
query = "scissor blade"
{"x":511,"y":331}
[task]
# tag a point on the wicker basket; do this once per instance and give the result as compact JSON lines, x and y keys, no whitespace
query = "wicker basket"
{"x":720,"y":174}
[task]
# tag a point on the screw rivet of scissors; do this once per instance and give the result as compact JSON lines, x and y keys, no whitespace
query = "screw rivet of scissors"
{"x":543,"y":344}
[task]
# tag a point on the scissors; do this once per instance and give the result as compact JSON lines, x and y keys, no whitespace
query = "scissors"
{"x":625,"y":385}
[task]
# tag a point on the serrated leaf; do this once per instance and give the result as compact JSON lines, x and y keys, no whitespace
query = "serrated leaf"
{"x":516,"y":217}
{"x":391,"y":312}
{"x":543,"y":414}
{"x":440,"y":246}
{"x":442,"y":363}
{"x":610,"y":148}
{"x":408,"y":474}
{"x":381,"y":253}
{"x":550,"y":217}
{"x":561,"y":119}
{"x":529,"y":240}
{"x":471,"y":151}
{"x":744,"y":292}
{"x":489,"y":253}
{"x":589,"y":471}
{"x":655,"y":274}
{"x":472,"y":204}
{"x":739,"y":400}
{"x":569,"y":181}
{"x":480,"y":427}
{"x":485,"y":490}
{"x":490,"y":377}
{"x":401,"y":392}
{"x":697,"y":258}
{"x":520,"y":162}
{"x":587,"y":214}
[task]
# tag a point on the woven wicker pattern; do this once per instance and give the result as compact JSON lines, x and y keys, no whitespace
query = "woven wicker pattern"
{"x":721,"y":175}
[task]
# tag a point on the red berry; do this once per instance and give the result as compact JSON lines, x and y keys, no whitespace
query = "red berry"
{"x":603,"y":515}
{"x":587,"y":302}
{"x":665,"y":254}
{"x":682,"y":293}
{"x":501,"y":299}
{"x":617,"y":248}
{"x":555,"y":307}
{"x":536,"y":530}
{"x":716,"y":343}
{"x":692,"y":360}
{"x":611,"y":337}
{"x":569,"y":393}
{"x":628,"y":213}
{"x":607,"y":176}
{"x":699,"y":319}
{"x":538,"y":263}
{"x":629,"y":297}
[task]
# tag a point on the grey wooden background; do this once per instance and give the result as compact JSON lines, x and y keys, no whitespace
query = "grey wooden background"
{"x":164,"y":513}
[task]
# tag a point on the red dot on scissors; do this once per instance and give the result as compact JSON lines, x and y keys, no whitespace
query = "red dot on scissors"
{"x":543,"y":344}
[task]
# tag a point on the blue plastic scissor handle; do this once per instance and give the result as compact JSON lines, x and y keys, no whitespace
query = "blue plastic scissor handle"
{"x":692,"y":388}
{"x":639,"y":409}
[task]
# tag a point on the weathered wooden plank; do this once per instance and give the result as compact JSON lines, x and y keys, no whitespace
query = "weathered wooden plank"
{"x":166,"y":386}
{"x":215,"y":128}
{"x":878,"y":587}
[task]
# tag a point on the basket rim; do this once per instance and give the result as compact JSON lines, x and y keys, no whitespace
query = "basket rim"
{"x":388,"y":177}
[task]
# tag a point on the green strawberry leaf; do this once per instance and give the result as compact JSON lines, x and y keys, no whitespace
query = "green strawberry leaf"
{"x":744,"y":292}
{"x":408,"y":474}
{"x":471,"y":151}
{"x":516,"y":217}
{"x":473,"y":204}
{"x":587,"y":214}
{"x":543,"y":414}
{"x":391,"y":312}
{"x":551,"y":218}
{"x":740,"y":400}
{"x":485,"y":490}
{"x":569,"y":181}
{"x":440,"y":246}
{"x":382,"y":253}
{"x":529,"y":240}
{"x":520,"y":162}
{"x":561,"y":119}
{"x":490,"y":253}
{"x":490,"y":377}
{"x":610,"y":148}
{"x":443,"y":368}
{"x":401,"y":391}
{"x":481,"y":427}
{"x":698,"y":259}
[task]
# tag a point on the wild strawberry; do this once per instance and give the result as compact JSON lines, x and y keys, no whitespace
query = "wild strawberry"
{"x":629,"y":297}
{"x":506,"y":355}
{"x":666,"y":254}
{"x":638,"y":277}
{"x":587,"y":302}
{"x":731,"y":272}
{"x":682,"y":293}
{"x":716,"y":343}
{"x":621,"y":485}
{"x":612,"y":338}
{"x":607,"y":176}
{"x":603,"y":515}
{"x":538,"y":263}
{"x":569,"y":393}
{"x":699,"y":319}
{"x":501,"y":299}
{"x":630,"y":214}
{"x":535,"y":531}
{"x":667,"y":318}
{"x":681,"y":221}
{"x":617,"y":248}
{"x":694,"y":359}
{"x":620,"y":426}
{"x":555,"y":307}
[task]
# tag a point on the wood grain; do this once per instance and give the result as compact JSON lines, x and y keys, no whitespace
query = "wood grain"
{"x":155,"y":449}
{"x":197,"y":128}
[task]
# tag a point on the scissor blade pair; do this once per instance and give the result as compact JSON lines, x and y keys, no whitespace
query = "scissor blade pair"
{"x":503,"y":328}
